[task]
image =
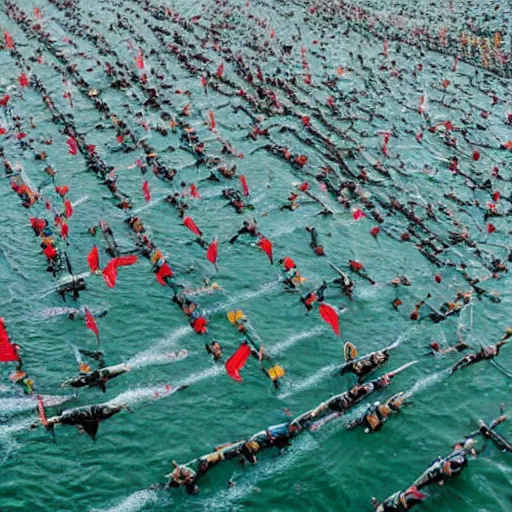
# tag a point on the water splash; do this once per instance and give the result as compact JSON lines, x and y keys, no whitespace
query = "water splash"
{"x":262,"y":290}
{"x":205,"y":374}
{"x":292,"y":340}
{"x":149,"y":205}
{"x":133,"y":503}
{"x":10,"y":406}
{"x":138,"y":395}
{"x":265,"y":470}
{"x":147,"y":359}
{"x":80,"y":201}
{"x":309,"y":382}
{"x":168,"y":342}
{"x":427,"y":382}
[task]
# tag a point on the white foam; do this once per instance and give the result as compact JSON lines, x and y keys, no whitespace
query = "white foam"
{"x":292,"y":340}
{"x":309,"y":382}
{"x":147,"y":359}
{"x":133,"y":503}
{"x":262,"y":290}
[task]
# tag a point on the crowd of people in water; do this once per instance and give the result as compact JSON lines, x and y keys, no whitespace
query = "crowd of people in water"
{"x":330,"y":137}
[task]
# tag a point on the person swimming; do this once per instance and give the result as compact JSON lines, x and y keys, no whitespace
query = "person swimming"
{"x":377,"y":414}
{"x":447,"y":467}
{"x":364,"y":365}
{"x":215,"y":350}
{"x":318,"y":249}
{"x":313,"y":296}
{"x":86,"y":419}
{"x":485,"y":353}
{"x":97,"y":378}
{"x":400,"y":501}
{"x":345,"y":401}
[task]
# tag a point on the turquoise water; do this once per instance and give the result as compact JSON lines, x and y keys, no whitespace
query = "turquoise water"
{"x":330,"y":469}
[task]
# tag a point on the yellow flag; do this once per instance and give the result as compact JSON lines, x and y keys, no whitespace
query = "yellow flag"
{"x":276,"y":372}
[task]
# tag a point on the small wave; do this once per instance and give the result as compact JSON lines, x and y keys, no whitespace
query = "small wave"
{"x":309,"y":382}
{"x":168,"y":342}
{"x":262,"y":290}
{"x":147,"y":359}
{"x":138,"y":395}
{"x":133,"y":503}
{"x":205,"y":374}
{"x":427,"y":382}
{"x":17,"y":405}
{"x":292,"y":340}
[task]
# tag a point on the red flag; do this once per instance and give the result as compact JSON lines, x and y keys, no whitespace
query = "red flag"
{"x":491,"y":228}
{"x":23,"y":80}
{"x":375,"y":231}
{"x":356,"y":266}
{"x":73,"y":146}
{"x":110,"y":271}
{"x":212,"y":124}
{"x":147,"y":193}
{"x":64,"y":230}
{"x":288,"y":263}
{"x":330,"y":315}
{"x":163,"y":272}
{"x":212,"y":252}
{"x":37,"y":13}
{"x":7,"y":351}
{"x":243,"y":182}
{"x":190,"y":224}
{"x":124,"y":261}
{"x":9,"y":41}
{"x":194,"y":192}
{"x":496,"y":196}
{"x":4,"y":100}
{"x":62,"y":191}
{"x":93,"y":259}
{"x":358,"y":214}
{"x":237,"y":361}
{"x":50,"y":252}
{"x":266,"y":245}
{"x":37,"y":224}
{"x":90,"y":323}
{"x":110,"y":274}
{"x":220,"y":70}
{"x":139,"y":59}
{"x":476,"y":155}
{"x":200,"y":325}
{"x":68,"y":209}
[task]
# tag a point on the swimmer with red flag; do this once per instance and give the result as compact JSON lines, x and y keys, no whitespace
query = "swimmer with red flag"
{"x":10,"y":353}
{"x":291,"y":275}
{"x":238,"y":360}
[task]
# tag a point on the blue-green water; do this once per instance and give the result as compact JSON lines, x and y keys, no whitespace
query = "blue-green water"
{"x":327,"y":470}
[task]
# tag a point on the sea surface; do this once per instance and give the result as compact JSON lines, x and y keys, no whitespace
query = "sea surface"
{"x":330,"y":469}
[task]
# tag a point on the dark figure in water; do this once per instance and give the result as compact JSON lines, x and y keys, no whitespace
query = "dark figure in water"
{"x":97,"y":378}
{"x":364,"y":365}
{"x":447,"y":467}
{"x":489,"y":352}
{"x":377,"y":414}
{"x":400,"y":501}
{"x":86,"y":419}
{"x":315,"y":295}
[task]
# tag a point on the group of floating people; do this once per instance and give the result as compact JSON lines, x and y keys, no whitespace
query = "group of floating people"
{"x":350,"y":177}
